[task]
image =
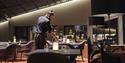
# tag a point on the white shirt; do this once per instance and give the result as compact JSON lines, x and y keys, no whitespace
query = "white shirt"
{"x":40,"y":21}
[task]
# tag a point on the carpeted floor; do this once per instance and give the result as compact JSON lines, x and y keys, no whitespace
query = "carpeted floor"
{"x":24,"y":60}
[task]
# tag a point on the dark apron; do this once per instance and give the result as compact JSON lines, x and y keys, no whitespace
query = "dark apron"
{"x":40,"y":41}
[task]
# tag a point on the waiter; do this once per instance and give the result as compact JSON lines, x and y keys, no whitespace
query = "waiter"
{"x":42,"y":26}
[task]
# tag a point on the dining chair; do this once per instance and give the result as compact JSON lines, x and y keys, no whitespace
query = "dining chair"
{"x":8,"y":53}
{"x":83,"y":53}
{"x":47,"y":57}
{"x":25,"y":48}
{"x":86,"y":48}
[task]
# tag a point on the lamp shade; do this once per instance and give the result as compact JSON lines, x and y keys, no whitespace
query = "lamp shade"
{"x":107,"y":6}
{"x":55,"y":46}
{"x":96,"y":20}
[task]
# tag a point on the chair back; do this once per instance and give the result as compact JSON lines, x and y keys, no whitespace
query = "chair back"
{"x":85,"y":51}
{"x":11,"y":50}
{"x":90,"y":46}
{"x":47,"y":57}
{"x":110,"y":58}
{"x":81,"y":47}
{"x":30,"y":45}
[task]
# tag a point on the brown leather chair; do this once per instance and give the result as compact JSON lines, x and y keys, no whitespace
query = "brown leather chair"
{"x":8,"y":53}
{"x":25,"y":48}
{"x":84,"y":53}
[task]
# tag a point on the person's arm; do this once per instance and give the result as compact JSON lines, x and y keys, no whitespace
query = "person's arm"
{"x":50,"y":31}
{"x":49,"y":27}
{"x":54,"y":36}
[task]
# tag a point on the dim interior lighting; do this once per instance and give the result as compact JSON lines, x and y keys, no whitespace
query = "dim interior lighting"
{"x":58,"y":3}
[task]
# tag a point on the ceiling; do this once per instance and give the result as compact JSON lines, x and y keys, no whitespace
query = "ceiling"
{"x":10,"y":8}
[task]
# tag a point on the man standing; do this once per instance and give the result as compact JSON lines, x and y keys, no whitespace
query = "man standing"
{"x":43,"y":26}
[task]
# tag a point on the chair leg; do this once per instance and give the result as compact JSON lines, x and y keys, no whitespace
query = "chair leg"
{"x":0,"y":61}
{"x":15,"y":56}
{"x":6,"y":61}
{"x":12,"y":61}
{"x":21,"y":55}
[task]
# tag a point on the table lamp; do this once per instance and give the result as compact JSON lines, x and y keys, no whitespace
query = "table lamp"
{"x":68,"y":41}
{"x":55,"y":46}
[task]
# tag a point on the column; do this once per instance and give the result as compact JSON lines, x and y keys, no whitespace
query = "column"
{"x":120,"y":30}
{"x":90,"y":32}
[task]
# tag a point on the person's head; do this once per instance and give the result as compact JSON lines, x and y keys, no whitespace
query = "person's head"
{"x":50,"y":15}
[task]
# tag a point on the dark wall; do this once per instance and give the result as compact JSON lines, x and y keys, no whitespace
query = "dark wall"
{"x":96,"y":20}
{"x":107,"y":6}
{"x":22,"y":33}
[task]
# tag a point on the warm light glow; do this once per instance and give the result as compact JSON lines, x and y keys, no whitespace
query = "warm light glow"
{"x":112,"y":30}
{"x":3,"y":23}
{"x":68,"y":41}
{"x":55,"y":46}
{"x":14,"y":39}
{"x":43,"y":9}
{"x":112,"y":16}
{"x":64,"y":39}
{"x":63,"y":5}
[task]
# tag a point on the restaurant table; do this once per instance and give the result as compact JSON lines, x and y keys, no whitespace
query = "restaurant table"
{"x":73,"y":45}
{"x":3,"y":45}
{"x":70,"y":53}
{"x":67,"y":52}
